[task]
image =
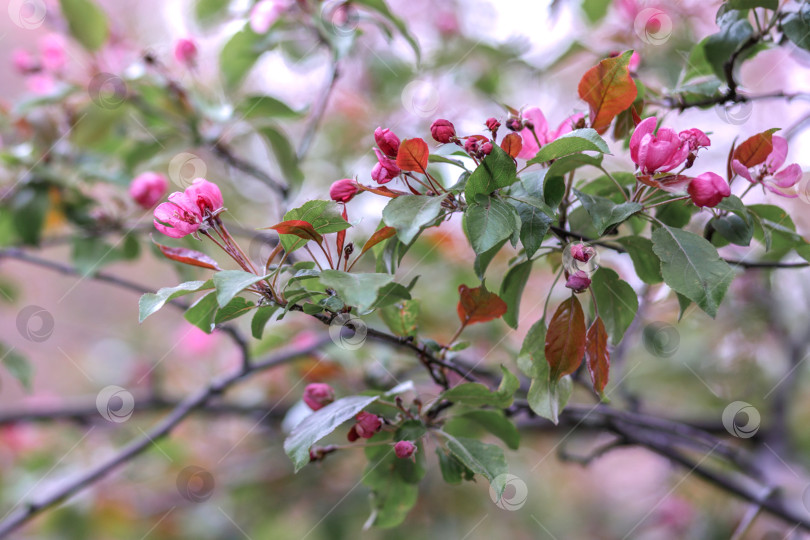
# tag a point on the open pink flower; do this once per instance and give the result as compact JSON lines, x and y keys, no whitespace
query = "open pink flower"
{"x":657,"y":152}
{"x":768,"y":174}
{"x":531,"y":145}
{"x":179,"y":217}
{"x":148,"y":188}
{"x":385,"y":170}
{"x":708,"y":189}
{"x":206,"y":195}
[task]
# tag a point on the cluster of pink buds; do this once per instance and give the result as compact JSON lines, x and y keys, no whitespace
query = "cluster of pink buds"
{"x":387,"y":148}
{"x":41,"y":72}
{"x":367,"y":425}
{"x":579,"y":280}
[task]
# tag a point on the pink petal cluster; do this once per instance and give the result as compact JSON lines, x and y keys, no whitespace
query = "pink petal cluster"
{"x":708,"y":189}
{"x":367,"y":425}
{"x":264,"y":14}
{"x":768,"y":174}
{"x":385,"y":170}
{"x":42,"y":73}
{"x":148,"y":188}
{"x":187,"y":211}
{"x":318,"y":395}
{"x":578,"y":281}
{"x":665,"y":150}
{"x":343,"y":190}
{"x":404,"y":449}
{"x":53,"y":52}
{"x":536,"y":132}
{"x":443,"y":131}
{"x":185,"y":52}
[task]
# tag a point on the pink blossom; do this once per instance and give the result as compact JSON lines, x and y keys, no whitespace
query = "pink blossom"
{"x":708,"y":189}
{"x":532,"y":141}
{"x":367,"y":425}
{"x":443,"y":131}
{"x":694,"y":139}
{"x":387,"y":141}
{"x":404,"y":449}
{"x":768,"y":173}
{"x":185,"y":51}
{"x":40,"y":83}
{"x":318,"y":395}
{"x":206,"y":195}
{"x":53,"y":51}
{"x":581,"y":252}
{"x":578,"y":281}
{"x":23,"y":61}
{"x":385,"y":170}
{"x":148,"y":188}
{"x":656,"y":152}
{"x":178,"y":217}
{"x":264,"y":14}
{"x":343,"y":190}
{"x":635,"y":62}
{"x":193,"y":342}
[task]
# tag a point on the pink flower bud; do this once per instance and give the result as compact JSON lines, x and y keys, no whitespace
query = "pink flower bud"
{"x":492,"y":124}
{"x":443,"y":131}
{"x":206,"y":195}
{"x":385,"y":170}
{"x":178,"y":217}
{"x":148,"y":188}
{"x":52,"y":48}
{"x":264,"y":14}
{"x":387,"y":141}
{"x":656,"y":152}
{"x":708,"y":189}
{"x":23,"y":61}
{"x":578,"y":281}
{"x":486,"y":148}
{"x":581,"y":252}
{"x":367,"y":425}
{"x":343,"y":190}
{"x":404,"y":449}
{"x":318,"y":395}
{"x":185,"y":52}
{"x":514,"y":124}
{"x":694,"y":139}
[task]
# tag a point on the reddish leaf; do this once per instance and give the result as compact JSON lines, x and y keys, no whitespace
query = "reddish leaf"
{"x":609,"y":89}
{"x":597,"y":356}
{"x":383,"y":234}
{"x":341,"y":236}
{"x":565,"y":339}
{"x":413,"y":155}
{"x":299,"y":228}
{"x":479,"y":305}
{"x":512,"y":144}
{"x":672,"y":183}
{"x":188,"y":256}
{"x":756,"y":149}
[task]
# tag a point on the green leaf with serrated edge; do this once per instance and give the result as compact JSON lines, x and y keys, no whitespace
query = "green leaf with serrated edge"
{"x":18,"y":366}
{"x":481,"y":458}
{"x":488,"y":222}
{"x":238,"y":56}
{"x":532,"y":357}
{"x":149,"y":303}
{"x":235,"y":308}
{"x":483,"y":260}
{"x":324,"y":216}
{"x":201,"y":313}
{"x":453,"y":471}
{"x":497,"y":170}
{"x":566,"y":164}
{"x":401,"y":318}
{"x":579,"y":140}
{"x":391,"y":294}
{"x":645,"y":261}
{"x":409,"y":214}
{"x":260,"y":107}
{"x":616,"y":300}
{"x":692,"y":267}
{"x":512,"y":290}
{"x":229,"y":283}
{"x":495,"y":422}
{"x":86,"y":21}
{"x":605,"y":212}
{"x":479,"y":395}
{"x":260,"y":319}
{"x":320,"y":424}
{"x":358,"y":290}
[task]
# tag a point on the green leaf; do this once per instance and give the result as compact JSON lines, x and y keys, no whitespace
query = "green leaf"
{"x":676,"y":214}
{"x":692,"y":267}
{"x":391,"y":294}
{"x":260,"y":107}
{"x":645,"y":261}
{"x":579,"y":140}
{"x":751,"y":4}
{"x":235,"y":308}
{"x":495,"y":422}
{"x":409,"y":214}
{"x":595,"y":10}
{"x":286,"y":156}
{"x":721,"y":46}
{"x":208,"y":11}
{"x":479,"y":395}
{"x":564,"y":165}
{"x":149,"y":303}
{"x":394,"y":484}
{"x":382,"y":8}
{"x":497,"y":170}
{"x":324,"y":216}
{"x":484,"y":459}
{"x":605,"y":212}
{"x":616,"y":300}
{"x":548,"y":398}
{"x":18,"y":366}
{"x":489,"y":223}
{"x":229,"y":283}
{"x":87,"y":22}
{"x":238,"y":56}
{"x":734,"y":229}
{"x":553,"y":190}
{"x":401,"y":318}
{"x":201,"y":313}
{"x":512,"y":290}
{"x":320,"y":424}
{"x":453,"y":471}
{"x":535,"y":215}
{"x":483,"y":260}
{"x":532,"y":357}
{"x":260,"y":319}
{"x":796,"y":26}
{"x":358,"y":290}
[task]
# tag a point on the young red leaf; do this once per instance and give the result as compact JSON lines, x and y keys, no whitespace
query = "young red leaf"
{"x":383,"y":234}
{"x":597,"y":356}
{"x":609,"y":89}
{"x":512,"y":144}
{"x":299,"y":228}
{"x":754,"y":150}
{"x":565,"y":339}
{"x":413,"y":155}
{"x":479,"y":305}
{"x":341,"y":236}
{"x":188,"y":256}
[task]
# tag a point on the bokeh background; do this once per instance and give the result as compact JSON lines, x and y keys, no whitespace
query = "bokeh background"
{"x":478,"y":56}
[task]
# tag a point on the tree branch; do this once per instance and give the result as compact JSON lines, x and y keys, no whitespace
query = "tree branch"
{"x":248,"y":168}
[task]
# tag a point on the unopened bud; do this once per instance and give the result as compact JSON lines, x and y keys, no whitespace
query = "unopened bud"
{"x":493,"y":125}
{"x":404,"y":449}
{"x":443,"y":131}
